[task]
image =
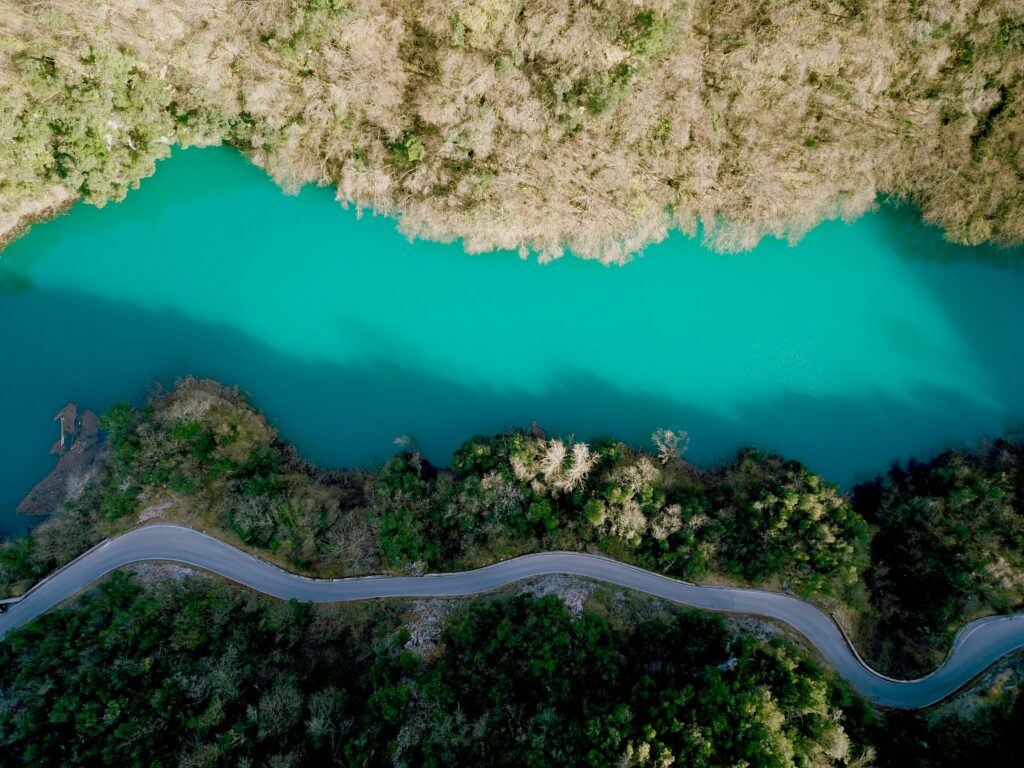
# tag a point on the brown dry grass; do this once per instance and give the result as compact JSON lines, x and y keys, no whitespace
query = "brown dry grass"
{"x":548,"y":124}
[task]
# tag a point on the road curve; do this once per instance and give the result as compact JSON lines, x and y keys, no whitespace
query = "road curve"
{"x":977,"y":646}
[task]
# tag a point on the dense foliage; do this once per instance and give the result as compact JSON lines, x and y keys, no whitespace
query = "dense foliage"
{"x":202,"y":454}
{"x":189,"y":671}
{"x":989,"y":735}
{"x":517,"y":683}
{"x":949,"y":547}
{"x":592,"y":124}
{"x":908,"y":559}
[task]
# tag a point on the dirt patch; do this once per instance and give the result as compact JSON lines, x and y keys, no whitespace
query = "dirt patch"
{"x":425,"y":624}
{"x":762,"y":629}
{"x":158,"y":508}
{"x":571,"y":590}
{"x":152,"y":573}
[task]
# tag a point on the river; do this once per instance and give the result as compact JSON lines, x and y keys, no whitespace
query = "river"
{"x":864,"y":344}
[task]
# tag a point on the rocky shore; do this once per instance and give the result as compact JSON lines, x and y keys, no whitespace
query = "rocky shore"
{"x":79,"y":449}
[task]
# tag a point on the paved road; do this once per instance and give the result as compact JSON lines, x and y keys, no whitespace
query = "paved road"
{"x":977,"y":646}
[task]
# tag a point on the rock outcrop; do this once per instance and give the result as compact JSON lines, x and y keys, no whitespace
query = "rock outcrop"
{"x":79,"y":449}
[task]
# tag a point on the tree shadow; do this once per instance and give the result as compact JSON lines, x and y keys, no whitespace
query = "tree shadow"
{"x":95,"y":352}
{"x":914,"y":239}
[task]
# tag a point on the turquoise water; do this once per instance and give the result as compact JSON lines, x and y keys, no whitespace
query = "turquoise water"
{"x":864,"y":344}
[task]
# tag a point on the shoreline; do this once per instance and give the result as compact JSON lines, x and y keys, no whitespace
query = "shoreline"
{"x":15,"y":224}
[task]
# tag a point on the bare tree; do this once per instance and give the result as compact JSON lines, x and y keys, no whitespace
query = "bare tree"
{"x":671,"y":444}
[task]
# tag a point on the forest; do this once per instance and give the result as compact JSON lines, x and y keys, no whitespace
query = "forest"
{"x":542,"y":126}
{"x":901,"y":563}
{"x":183,"y":670}
{"x":161,"y":665}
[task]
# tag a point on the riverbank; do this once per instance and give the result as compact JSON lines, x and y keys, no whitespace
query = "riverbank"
{"x":201,"y":455}
{"x":617,"y":125}
{"x":816,"y":352}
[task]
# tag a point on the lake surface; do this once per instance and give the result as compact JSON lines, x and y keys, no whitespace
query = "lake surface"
{"x":864,"y":344}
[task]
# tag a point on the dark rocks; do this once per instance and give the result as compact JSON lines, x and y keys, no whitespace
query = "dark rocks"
{"x":79,"y":450}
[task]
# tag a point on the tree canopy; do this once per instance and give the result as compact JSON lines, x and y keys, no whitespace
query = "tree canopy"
{"x":538,"y":124}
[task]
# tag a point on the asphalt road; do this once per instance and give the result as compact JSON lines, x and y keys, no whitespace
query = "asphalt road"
{"x":977,"y":647}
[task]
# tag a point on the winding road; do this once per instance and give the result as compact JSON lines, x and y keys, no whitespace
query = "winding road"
{"x":977,"y":646}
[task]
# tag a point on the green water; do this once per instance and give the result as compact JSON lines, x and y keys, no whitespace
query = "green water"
{"x":864,"y":344}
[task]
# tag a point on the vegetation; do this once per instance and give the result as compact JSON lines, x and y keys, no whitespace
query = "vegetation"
{"x":949,"y":548}
{"x":595,"y":125}
{"x":163,"y":666}
{"x":905,"y":561}
{"x":190,"y":671}
{"x":166,"y":667}
{"x":987,"y":734}
{"x":202,"y":454}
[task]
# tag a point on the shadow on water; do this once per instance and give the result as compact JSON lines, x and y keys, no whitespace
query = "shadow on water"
{"x":13,"y":282}
{"x":983,"y":305}
{"x":59,"y":346}
{"x":916,"y":240}
{"x":97,"y":352}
